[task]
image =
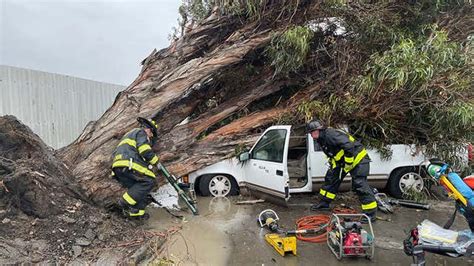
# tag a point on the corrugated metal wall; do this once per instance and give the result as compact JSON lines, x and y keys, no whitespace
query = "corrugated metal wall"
{"x":56,"y":107}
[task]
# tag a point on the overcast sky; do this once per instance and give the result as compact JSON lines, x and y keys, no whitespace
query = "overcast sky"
{"x":102,"y":40}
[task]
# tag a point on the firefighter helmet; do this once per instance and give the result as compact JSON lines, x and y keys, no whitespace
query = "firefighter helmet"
{"x":149,"y":124}
{"x":314,"y":125}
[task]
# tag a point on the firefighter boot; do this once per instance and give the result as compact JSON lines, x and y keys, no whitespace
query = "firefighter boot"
{"x":321,"y":206}
{"x":372,"y":216}
{"x":124,"y":205}
{"x":137,"y":214}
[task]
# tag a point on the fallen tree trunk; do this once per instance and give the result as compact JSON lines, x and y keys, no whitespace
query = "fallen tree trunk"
{"x":172,"y":84}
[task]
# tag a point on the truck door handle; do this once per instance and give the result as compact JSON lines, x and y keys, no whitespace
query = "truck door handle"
{"x":279,"y":172}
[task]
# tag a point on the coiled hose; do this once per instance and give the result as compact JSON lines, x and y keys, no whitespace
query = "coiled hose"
{"x":318,"y":223}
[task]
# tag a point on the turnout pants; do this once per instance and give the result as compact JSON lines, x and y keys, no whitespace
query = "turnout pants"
{"x":359,"y":173}
{"x":138,"y":185}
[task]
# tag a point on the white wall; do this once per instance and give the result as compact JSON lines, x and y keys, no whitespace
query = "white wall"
{"x":56,"y":107}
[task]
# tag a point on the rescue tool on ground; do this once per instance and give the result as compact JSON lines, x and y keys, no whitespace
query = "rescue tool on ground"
{"x":282,"y":244}
{"x":384,"y":203}
{"x":357,"y":238}
{"x":347,"y":236}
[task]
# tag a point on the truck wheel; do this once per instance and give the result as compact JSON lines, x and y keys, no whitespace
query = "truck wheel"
{"x":403,"y":179}
{"x":218,"y":186}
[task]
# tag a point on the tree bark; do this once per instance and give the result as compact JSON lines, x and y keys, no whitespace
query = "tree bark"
{"x":173,"y":82}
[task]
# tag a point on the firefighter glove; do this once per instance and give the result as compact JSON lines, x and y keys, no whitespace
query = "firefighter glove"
{"x":347,"y":167}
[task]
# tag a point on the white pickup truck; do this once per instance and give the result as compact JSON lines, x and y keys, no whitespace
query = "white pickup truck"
{"x":285,"y":161}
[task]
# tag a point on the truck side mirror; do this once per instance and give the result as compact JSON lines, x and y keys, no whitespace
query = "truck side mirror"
{"x":244,"y":156}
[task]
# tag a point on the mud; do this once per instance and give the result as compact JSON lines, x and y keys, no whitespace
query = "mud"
{"x":45,"y":216}
{"x":228,"y":234}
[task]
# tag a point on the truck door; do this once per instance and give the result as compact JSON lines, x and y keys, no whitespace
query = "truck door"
{"x":266,"y":172}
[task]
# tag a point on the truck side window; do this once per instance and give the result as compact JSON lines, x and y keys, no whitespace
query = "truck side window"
{"x":271,"y":146}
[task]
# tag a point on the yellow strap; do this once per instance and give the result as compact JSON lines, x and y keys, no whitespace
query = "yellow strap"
{"x":129,"y":199}
{"x":135,"y":166}
{"x":139,"y":213}
{"x":349,"y":160}
{"x":128,"y":141}
{"x":154,"y":160}
{"x":369,"y":206}
{"x":143,"y":148}
{"x":360,"y":156}
{"x":339,"y":155}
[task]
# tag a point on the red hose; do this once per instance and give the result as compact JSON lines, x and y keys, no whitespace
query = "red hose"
{"x":318,"y":221}
{"x":311,"y":222}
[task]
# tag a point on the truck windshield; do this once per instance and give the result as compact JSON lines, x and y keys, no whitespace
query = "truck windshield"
{"x":271,"y":146}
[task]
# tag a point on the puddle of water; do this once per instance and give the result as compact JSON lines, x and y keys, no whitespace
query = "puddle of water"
{"x":203,"y":239}
{"x":198,"y":243}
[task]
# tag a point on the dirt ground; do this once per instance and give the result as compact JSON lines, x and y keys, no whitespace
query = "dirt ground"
{"x":45,"y":216}
{"x":228,"y":234}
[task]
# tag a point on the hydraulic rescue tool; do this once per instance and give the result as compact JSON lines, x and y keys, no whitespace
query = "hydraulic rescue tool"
{"x":384,"y":203}
{"x":348,"y":237}
{"x":282,"y":245}
{"x":409,"y":204}
{"x":280,"y":238}
{"x":181,"y":193}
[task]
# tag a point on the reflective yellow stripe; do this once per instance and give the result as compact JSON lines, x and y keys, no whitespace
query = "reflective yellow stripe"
{"x":369,"y":206}
{"x":359,"y":157}
{"x":339,"y":155}
{"x":139,"y":213}
{"x":327,"y":194}
{"x":129,"y":199}
{"x":130,"y":142}
{"x":330,"y":195}
{"x":349,"y":160}
{"x":351,"y":138}
{"x":143,"y":148}
{"x":135,"y":166}
{"x":322,"y":192}
{"x":154,"y":160}
{"x":333,"y":163}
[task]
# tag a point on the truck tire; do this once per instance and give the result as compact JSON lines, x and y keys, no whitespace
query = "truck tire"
{"x":403,"y":178}
{"x":218,"y":185}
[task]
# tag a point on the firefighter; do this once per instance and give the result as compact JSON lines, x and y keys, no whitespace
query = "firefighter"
{"x":346,"y":155}
{"x":132,"y":167}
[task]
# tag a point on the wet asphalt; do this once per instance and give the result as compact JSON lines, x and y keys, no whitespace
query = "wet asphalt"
{"x":228,"y":234}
